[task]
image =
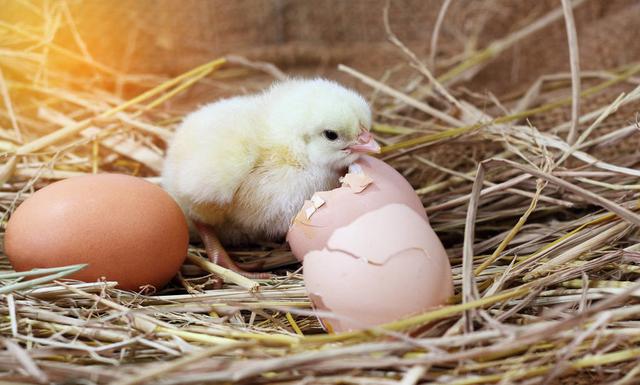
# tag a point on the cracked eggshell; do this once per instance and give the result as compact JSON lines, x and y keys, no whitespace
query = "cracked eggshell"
{"x":358,"y":195}
{"x":127,"y":230}
{"x":386,"y":265}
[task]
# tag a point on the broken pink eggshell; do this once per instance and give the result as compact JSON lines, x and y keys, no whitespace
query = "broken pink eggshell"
{"x":385,"y":265}
{"x":369,"y":185}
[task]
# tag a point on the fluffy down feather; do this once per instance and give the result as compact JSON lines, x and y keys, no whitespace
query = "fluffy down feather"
{"x":246,"y":164}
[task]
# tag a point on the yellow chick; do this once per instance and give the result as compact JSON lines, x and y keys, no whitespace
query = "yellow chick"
{"x":241,"y":168}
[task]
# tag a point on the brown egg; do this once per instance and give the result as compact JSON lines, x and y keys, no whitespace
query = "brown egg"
{"x":127,"y":230}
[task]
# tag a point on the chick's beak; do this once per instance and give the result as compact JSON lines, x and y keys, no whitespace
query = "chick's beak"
{"x":365,"y":143}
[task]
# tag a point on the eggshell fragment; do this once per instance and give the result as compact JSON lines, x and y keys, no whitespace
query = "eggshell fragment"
{"x":387,"y":264}
{"x":356,"y":182}
{"x":127,"y":230}
{"x":372,"y":185}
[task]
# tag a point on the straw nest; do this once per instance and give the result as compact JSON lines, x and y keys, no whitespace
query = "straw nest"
{"x":534,"y":194}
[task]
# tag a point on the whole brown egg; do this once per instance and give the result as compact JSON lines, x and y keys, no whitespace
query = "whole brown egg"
{"x":125,"y":228}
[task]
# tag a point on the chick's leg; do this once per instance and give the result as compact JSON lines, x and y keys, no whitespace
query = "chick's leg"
{"x":218,"y":255}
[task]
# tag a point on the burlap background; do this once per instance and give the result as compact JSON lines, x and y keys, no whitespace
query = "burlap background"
{"x":170,"y":36}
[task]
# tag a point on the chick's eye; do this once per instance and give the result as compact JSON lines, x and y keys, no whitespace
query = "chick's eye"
{"x":330,"y":134}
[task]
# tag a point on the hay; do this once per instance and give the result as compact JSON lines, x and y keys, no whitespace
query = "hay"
{"x":541,"y":232}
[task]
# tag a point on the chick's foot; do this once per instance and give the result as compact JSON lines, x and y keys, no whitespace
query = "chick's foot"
{"x":218,"y":255}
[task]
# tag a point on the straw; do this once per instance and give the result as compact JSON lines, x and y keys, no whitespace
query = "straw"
{"x":533,"y":191}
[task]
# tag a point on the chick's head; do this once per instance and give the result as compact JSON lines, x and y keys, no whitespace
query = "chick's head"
{"x":323,"y":123}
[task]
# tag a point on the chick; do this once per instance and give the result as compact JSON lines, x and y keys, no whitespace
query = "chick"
{"x":241,"y":168}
